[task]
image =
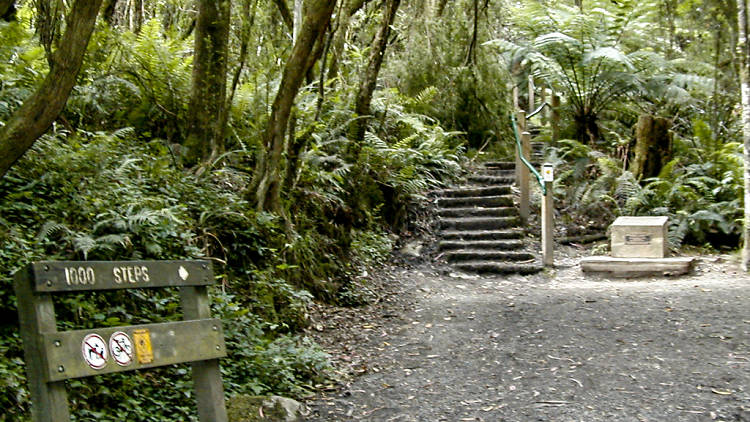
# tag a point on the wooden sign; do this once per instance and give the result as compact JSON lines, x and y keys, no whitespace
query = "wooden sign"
{"x":67,"y":276}
{"x":53,"y":357}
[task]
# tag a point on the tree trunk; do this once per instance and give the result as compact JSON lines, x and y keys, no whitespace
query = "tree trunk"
{"x":268,"y":181}
{"x":8,"y":10}
{"x":440,"y":8}
{"x":208,"y":93}
{"x":370,"y":76}
{"x":136,"y":16}
{"x":743,"y":51}
{"x":471,"y":55}
{"x":109,"y":10}
{"x":341,"y":31}
{"x":298,"y":15}
{"x":38,"y":112}
{"x":286,"y":15}
{"x":653,"y":146}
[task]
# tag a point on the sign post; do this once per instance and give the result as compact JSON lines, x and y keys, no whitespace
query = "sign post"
{"x":548,"y":224}
{"x":53,"y":357}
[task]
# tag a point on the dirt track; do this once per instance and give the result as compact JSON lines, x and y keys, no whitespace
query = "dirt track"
{"x":557,"y":346}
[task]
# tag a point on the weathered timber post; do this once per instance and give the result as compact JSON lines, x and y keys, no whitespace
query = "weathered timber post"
{"x":36,"y":314}
{"x":555,"y":117}
{"x":524,"y":179}
{"x":532,"y":100}
{"x":55,"y":356}
{"x":521,"y":122}
{"x":548,"y":224}
{"x":515,"y":97}
{"x":543,"y":98}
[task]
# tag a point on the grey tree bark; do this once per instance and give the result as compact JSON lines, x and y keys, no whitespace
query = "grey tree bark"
{"x":208,"y":94}
{"x":370,"y":76}
{"x":37,"y":113}
{"x":267,"y":179}
{"x":743,"y":52}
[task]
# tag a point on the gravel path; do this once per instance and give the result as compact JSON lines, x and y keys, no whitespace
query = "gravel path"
{"x":556,"y":346}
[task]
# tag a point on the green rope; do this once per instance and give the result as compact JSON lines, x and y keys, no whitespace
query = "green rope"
{"x":523,"y":159}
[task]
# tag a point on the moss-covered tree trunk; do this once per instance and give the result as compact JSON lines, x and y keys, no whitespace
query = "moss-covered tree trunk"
{"x":341,"y":28}
{"x":136,"y":16}
{"x":267,"y":180}
{"x":653,"y":146}
{"x":743,"y":52}
{"x":37,"y":113}
{"x":370,"y":76}
{"x":205,"y":137}
{"x":7,"y":9}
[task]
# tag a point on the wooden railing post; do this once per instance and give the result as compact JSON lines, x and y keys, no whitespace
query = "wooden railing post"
{"x":532,"y":100}
{"x":524,"y":178}
{"x":543,"y":99}
{"x":521,"y":122}
{"x":555,"y":115}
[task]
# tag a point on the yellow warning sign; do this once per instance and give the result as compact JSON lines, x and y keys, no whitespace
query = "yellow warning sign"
{"x":143,"y":350}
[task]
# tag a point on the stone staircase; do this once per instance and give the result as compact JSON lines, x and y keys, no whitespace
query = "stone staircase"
{"x":480,"y":226}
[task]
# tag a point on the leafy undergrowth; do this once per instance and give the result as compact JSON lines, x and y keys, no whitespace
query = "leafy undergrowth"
{"x":111,"y":196}
{"x":100,"y":196}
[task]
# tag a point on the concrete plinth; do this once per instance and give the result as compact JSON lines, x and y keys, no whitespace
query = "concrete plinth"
{"x":635,"y":267}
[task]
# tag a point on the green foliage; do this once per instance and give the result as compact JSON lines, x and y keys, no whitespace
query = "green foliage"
{"x":700,"y":190}
{"x":141,"y":81}
{"x":102,"y":196}
{"x":22,"y":65}
{"x":599,"y":59}
{"x":261,"y":364}
{"x":468,"y":96}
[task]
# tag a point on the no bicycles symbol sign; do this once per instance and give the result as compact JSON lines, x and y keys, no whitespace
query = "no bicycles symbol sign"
{"x":122,"y":348}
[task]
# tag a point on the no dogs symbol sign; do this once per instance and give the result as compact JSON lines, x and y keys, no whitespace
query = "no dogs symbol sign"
{"x":94,"y":351}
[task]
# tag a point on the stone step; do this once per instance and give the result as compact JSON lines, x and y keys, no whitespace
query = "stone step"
{"x":480,"y":236}
{"x":495,"y":267}
{"x":461,"y":255}
{"x":490,"y":245}
{"x":490,"y":179}
{"x":476,"y":201}
{"x":479,"y":223}
{"x":538,"y":150}
{"x":472,"y":191}
{"x":500,"y":165}
{"x":494,"y":172}
{"x":478,"y":212}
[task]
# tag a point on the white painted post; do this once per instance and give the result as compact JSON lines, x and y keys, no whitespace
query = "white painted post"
{"x":548,"y":224}
{"x":524,"y":179}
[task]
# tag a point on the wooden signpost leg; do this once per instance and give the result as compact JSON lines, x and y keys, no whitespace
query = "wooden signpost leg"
{"x":548,"y":227}
{"x":36,"y":313}
{"x":209,"y":389}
